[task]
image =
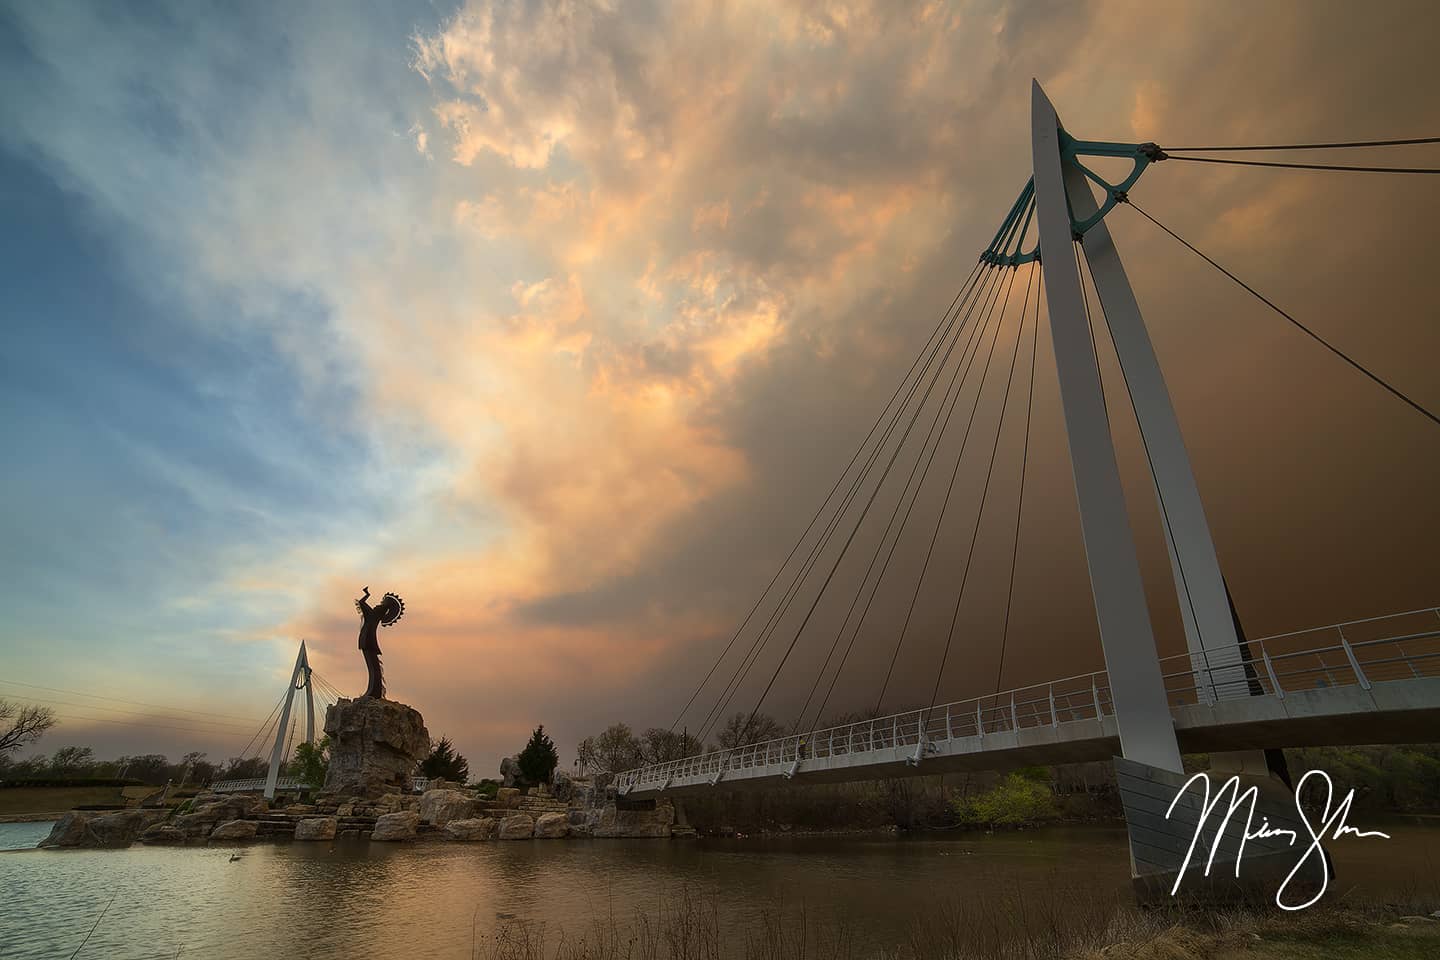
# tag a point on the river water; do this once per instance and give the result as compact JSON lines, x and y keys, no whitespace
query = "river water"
{"x":435,"y":899}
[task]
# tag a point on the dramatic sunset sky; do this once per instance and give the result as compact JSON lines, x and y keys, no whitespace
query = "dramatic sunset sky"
{"x":559,"y":319}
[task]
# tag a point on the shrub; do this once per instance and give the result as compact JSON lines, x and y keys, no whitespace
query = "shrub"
{"x":1019,"y":798}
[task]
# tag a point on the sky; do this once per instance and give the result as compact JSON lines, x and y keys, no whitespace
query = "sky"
{"x":560,"y":318}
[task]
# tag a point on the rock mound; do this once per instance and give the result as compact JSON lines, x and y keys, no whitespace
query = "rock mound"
{"x":374,"y":746}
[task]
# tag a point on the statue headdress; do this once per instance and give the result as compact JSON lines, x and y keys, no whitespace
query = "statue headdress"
{"x":399,"y":610}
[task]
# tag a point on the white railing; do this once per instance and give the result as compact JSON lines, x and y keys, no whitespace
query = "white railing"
{"x":1407,"y":645}
{"x":1399,"y":646}
{"x":287,"y":784}
{"x":254,"y":785}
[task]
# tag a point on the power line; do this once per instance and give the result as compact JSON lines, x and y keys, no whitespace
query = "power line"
{"x":1269,"y":303}
{"x":1307,"y":146}
{"x":138,"y":703}
{"x":1305,"y":166}
{"x":160,"y":726}
{"x":132,"y":713}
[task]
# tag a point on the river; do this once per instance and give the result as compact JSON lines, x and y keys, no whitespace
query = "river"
{"x":419,"y":901}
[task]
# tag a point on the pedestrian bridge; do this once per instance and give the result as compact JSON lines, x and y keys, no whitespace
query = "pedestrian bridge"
{"x":1307,"y":688}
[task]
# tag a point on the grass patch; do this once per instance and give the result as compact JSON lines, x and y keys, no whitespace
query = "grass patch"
{"x":54,"y":799}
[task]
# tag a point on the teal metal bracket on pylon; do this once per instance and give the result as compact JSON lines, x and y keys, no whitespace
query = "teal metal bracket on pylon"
{"x":1006,"y":248}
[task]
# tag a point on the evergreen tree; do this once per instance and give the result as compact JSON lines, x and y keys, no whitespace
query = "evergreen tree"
{"x":539,"y":758}
{"x":444,"y":763}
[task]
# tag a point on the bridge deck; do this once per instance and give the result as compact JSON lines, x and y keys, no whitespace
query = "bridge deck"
{"x":1280,"y":691}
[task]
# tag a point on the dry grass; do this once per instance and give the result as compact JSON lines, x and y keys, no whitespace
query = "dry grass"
{"x":14,"y":800}
{"x":1010,"y":926}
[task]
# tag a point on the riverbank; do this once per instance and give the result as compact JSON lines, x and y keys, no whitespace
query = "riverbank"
{"x":691,"y":928}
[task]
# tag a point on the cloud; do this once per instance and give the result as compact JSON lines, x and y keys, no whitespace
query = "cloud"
{"x":601,"y":296}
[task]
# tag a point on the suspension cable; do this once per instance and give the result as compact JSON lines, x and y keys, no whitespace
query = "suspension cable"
{"x":1308,"y":146}
{"x":808,"y":527}
{"x":947,"y":408}
{"x":1269,"y":303}
{"x":979,"y":332}
{"x":950,"y":488}
{"x":1020,"y":501}
{"x":1305,"y":166}
{"x":980,"y":514}
{"x":955,"y":323}
{"x":850,"y":539}
{"x":752,"y":656}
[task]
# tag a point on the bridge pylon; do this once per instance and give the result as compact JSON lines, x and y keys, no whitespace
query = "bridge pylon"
{"x":1142,"y":714}
{"x":299,"y":680}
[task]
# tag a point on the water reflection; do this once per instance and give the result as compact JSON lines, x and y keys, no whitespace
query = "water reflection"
{"x":336,"y":900}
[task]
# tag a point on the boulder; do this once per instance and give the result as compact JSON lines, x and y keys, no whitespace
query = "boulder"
{"x":374,"y":746}
{"x":389,"y":803}
{"x":345,"y":810}
{"x":561,"y":785}
{"x":300,"y":809}
{"x":69,"y":831}
{"x":123,"y":827}
{"x":316,"y":828}
{"x":473,"y":829}
{"x":163,"y":834}
{"x":396,"y":826}
{"x":552,"y":826}
{"x":235,"y":830}
{"x":517,"y":826}
{"x":439,"y":807}
{"x":80,"y":828}
{"x":508,"y":797}
{"x":510,"y":775}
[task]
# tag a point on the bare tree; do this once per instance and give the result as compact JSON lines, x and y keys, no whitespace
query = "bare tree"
{"x":20,"y":724}
{"x":741,"y":731}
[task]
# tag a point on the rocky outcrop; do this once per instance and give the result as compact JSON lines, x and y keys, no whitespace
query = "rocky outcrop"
{"x":374,"y":746}
{"x":518,"y":826}
{"x":203,"y":817}
{"x":471,"y":830}
{"x":163,"y":834}
{"x":552,"y":826}
{"x":507,"y":797}
{"x":80,"y":828}
{"x":316,"y":828}
{"x":439,"y":807}
{"x":233,"y":830}
{"x":583,"y":822}
{"x":561,"y":786}
{"x":396,"y":826}
{"x":636,"y":824}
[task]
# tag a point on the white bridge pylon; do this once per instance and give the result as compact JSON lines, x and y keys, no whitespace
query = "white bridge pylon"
{"x":299,"y":680}
{"x":1126,"y":636}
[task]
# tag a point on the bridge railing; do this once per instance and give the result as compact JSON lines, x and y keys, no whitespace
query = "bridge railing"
{"x":1082,"y":697}
{"x":1358,"y":652}
{"x":287,"y":784}
{"x":1355,"y":653}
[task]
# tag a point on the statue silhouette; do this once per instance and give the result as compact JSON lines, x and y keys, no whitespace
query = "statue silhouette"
{"x":386,"y":612}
